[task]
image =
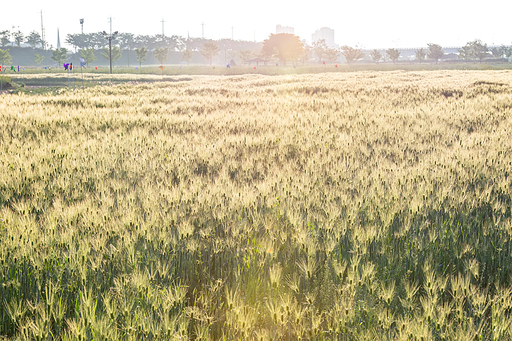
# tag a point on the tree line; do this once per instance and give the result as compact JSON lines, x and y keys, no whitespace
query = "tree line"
{"x":288,"y":48}
{"x":17,"y":37}
{"x":281,"y":48}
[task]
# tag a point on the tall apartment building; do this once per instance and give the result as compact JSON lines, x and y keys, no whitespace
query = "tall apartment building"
{"x":324,"y":33}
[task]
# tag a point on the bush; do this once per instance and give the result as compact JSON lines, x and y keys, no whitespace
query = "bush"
{"x":7,"y":82}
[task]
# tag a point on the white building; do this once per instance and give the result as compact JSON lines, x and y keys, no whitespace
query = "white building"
{"x":324,"y":33}
{"x":284,"y":29}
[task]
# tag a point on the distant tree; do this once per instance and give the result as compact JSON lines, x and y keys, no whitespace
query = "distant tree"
{"x":245,"y":55}
{"x":116,"y":53}
{"x":5,"y":57}
{"x":319,"y":48}
{"x":5,"y":37}
{"x":161,"y":54}
{"x":33,"y":39}
{"x":285,"y":47}
{"x":38,"y":59}
{"x":498,"y":52}
{"x":60,"y":55}
{"x":331,"y":55}
{"x":507,"y":51}
{"x":465,"y":52}
{"x":479,"y":50}
{"x":194,"y":44}
{"x":126,"y":42}
{"x":393,"y":54}
{"x":376,"y":56}
{"x":141,"y":41}
{"x":18,"y":37}
{"x":435,"y":52}
{"x":209,"y":50}
{"x":142,"y":54}
{"x":98,"y":40}
{"x":474,"y":49}
{"x":159,"y":41}
{"x":504,"y":50}
{"x":305,"y":54}
{"x":78,"y":41}
{"x":88,"y":55}
{"x":187,"y":55}
{"x":89,"y":40}
{"x":351,"y":53}
{"x":420,"y":54}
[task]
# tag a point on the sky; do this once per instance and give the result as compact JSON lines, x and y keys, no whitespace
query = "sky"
{"x":367,"y":24}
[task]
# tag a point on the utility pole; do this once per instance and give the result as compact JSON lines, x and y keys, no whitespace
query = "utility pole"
{"x":110,"y":37}
{"x":42,"y":31}
{"x":163,"y":34}
{"x":202,"y":26}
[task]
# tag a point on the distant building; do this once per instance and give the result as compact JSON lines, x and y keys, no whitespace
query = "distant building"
{"x":284,"y":29}
{"x":58,"y":39}
{"x":324,"y":33}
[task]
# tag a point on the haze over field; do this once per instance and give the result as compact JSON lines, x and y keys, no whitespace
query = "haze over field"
{"x":373,"y":24}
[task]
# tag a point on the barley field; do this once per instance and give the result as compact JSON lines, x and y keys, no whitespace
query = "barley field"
{"x":339,"y":206}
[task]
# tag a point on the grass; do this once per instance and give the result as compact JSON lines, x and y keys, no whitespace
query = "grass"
{"x":333,"y":206}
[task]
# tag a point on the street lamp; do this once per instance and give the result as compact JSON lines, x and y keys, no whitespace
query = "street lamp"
{"x":110,"y":37}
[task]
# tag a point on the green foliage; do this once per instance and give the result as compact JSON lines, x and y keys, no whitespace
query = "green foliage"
{"x":352,"y":53}
{"x":420,"y":54}
{"x":5,"y":57}
{"x":209,"y":50}
{"x":474,"y":50}
{"x":245,"y":55}
{"x":393,"y":54}
{"x":5,"y":36}
{"x":331,"y":55}
{"x":498,"y":52}
{"x":33,"y":39}
{"x":306,"y":54}
{"x":161,"y":54}
{"x":18,"y":37}
{"x":435,"y":52}
{"x":376,"y":56}
{"x":283,"y":47}
{"x":465,"y":52}
{"x":38,"y":59}
{"x":116,"y":53}
{"x":88,"y":40}
{"x":60,"y":55}
{"x":319,"y":48}
{"x":88,"y":55}
{"x":186,"y":55}
{"x":507,"y":51}
{"x":142,"y":54}
{"x":6,"y":83}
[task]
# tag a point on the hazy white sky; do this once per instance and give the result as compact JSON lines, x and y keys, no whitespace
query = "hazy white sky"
{"x":368,"y":23}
